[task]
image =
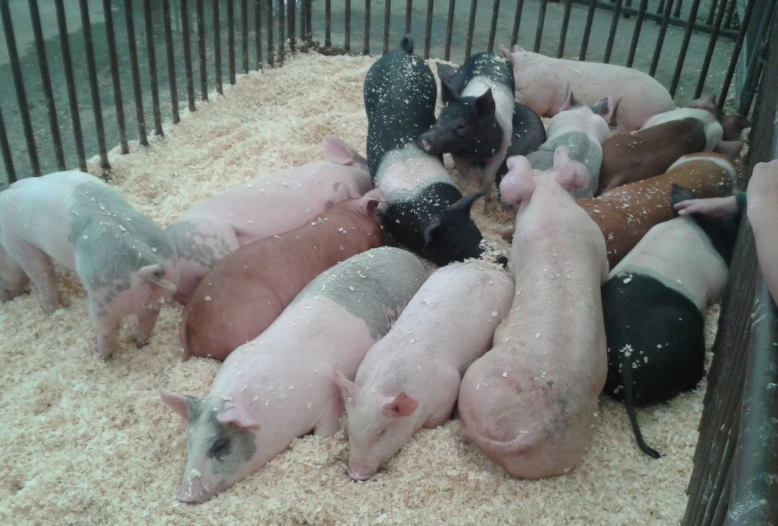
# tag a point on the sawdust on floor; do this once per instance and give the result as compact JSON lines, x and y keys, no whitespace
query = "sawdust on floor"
{"x":85,"y":441}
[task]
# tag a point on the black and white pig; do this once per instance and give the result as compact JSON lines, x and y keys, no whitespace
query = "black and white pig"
{"x":426,"y":213}
{"x":476,"y":124}
{"x":654,"y":303}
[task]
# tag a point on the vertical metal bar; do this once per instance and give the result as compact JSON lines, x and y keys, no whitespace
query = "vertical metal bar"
{"x":563,"y":35}
{"x":71,"y":84}
{"x":730,"y":14}
{"x":6,"y":149}
{"x":709,"y":53}
{"x":142,"y":138}
{"x":46,"y":81}
{"x":347,"y":37}
{"x":366,"y":45}
{"x":493,"y":27}
{"x":231,"y":38}
{"x":281,"y":32}
{"x":541,"y":23}
{"x":449,"y":29}
{"x":408,"y":13}
{"x":190,"y":94}
{"x":201,"y":46}
{"x":587,"y":30}
{"x":387,"y":16}
{"x":171,"y":64}
{"x":713,"y":5}
{"x":428,"y":30}
{"x":93,"y":87}
{"x":290,"y":12}
{"x":660,"y":39}
{"x":684,"y":47}
{"x":612,"y":33}
{"x":21,"y":95}
{"x":517,"y":23}
{"x":217,"y":47}
{"x":661,"y":7}
{"x":258,"y":31}
{"x":755,"y":62}
{"x":470,"y":28}
{"x":309,"y":20}
{"x":678,"y":6}
{"x":270,"y":50}
{"x":150,"y":49}
{"x":327,"y":23}
{"x":244,"y":29}
{"x":636,"y":33}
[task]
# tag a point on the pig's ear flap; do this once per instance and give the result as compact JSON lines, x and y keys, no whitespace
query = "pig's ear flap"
{"x":337,"y":151}
{"x":570,"y":100}
{"x":506,"y":54}
{"x":679,"y":194}
{"x":348,"y":390}
{"x":605,"y":108}
{"x":729,"y":148}
{"x":518,"y":49}
{"x":155,"y":274}
{"x":433,"y":233}
{"x":340,"y":192}
{"x":570,"y":174}
{"x":447,"y":92}
{"x":237,"y":415}
{"x":466,"y":203}
{"x":445,"y":72}
{"x":484,"y":105}
{"x":370,"y":203}
{"x":182,"y":405}
{"x":400,"y":405}
{"x":518,"y":184}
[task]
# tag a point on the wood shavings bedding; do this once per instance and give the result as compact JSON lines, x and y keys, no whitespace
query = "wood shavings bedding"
{"x":86,"y":441}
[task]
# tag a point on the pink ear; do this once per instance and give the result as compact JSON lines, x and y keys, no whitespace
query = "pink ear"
{"x":348,"y":390}
{"x":570,"y":174}
{"x":518,"y":184}
{"x":400,"y":405}
{"x":369,"y":202}
{"x":340,"y":192}
{"x":337,"y":151}
{"x":506,"y":54}
{"x":729,"y":148}
{"x":570,"y":101}
{"x":176,"y":402}
{"x":605,"y":108}
{"x":237,"y":415}
{"x":517,"y":48}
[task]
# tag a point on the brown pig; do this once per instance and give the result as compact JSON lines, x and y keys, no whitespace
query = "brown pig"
{"x":247,"y":290}
{"x":625,"y":214}
{"x":629,"y":158}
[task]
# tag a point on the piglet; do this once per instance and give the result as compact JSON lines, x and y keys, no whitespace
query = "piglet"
{"x":714,"y":132}
{"x":264,"y":207}
{"x":410,"y":378}
{"x":426,"y":213}
{"x":247,"y":290}
{"x":732,"y":125}
{"x":530,"y":402}
{"x":654,"y":304}
{"x":279,"y":386}
{"x":541,"y":84}
{"x":580,"y":129}
{"x":476,"y":123}
{"x":125,"y":261}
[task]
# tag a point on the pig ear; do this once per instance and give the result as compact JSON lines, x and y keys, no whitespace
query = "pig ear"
{"x":518,"y":184}
{"x":570,"y":101}
{"x":237,"y":415}
{"x":729,"y":148}
{"x":432,"y":232}
{"x":447,"y":91}
{"x":517,"y":48}
{"x":348,"y":390}
{"x":400,"y":405}
{"x":484,"y":105}
{"x":182,"y":405}
{"x":679,"y":194}
{"x":570,"y":174}
{"x":340,"y":192}
{"x":446,"y":72}
{"x":337,"y":151}
{"x":604,"y":107}
{"x":506,"y":54}
{"x":466,"y":203}
{"x":155,"y":274}
{"x":370,"y":202}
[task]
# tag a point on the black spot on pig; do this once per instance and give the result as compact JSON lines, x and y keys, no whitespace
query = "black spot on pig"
{"x":528,"y":134}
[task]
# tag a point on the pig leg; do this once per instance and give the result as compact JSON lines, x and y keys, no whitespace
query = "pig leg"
{"x":329,"y":424}
{"x":13,"y":280}
{"x":762,"y":210}
{"x":37,"y":265}
{"x":107,"y":326}
{"x":147,"y":319}
{"x":448,"y":399}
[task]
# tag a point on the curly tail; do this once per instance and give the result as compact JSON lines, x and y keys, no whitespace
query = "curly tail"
{"x":406,"y":44}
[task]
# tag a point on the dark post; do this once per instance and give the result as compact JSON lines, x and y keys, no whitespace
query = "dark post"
{"x":171,"y":64}
{"x":470,"y":28}
{"x":327,"y":23}
{"x":258,"y":31}
{"x":449,"y":29}
{"x":684,"y":47}
{"x":40,"y":47}
{"x":347,"y":38}
{"x":428,"y":30}
{"x":244,"y":29}
{"x":387,"y":16}
{"x":152,"y":67}
{"x":21,"y":95}
{"x":730,"y":13}
{"x":190,"y":95}
{"x":92,"y":70}
{"x":563,"y":34}
{"x":366,"y":46}
{"x":201,"y":45}
{"x":587,"y":30}
{"x":70,"y":81}
{"x":709,"y":53}
{"x":281,"y":29}
{"x":541,"y":23}
{"x":291,"y":13}
{"x":713,"y":5}
{"x":636,"y":34}
{"x":270,"y":51}
{"x":678,"y":6}
{"x":217,"y":47}
{"x":660,"y":39}
{"x":231,"y":38}
{"x":612,"y":33}
{"x":6,"y":149}
{"x":142,"y":138}
{"x":493,"y":27}
{"x":408,"y":13}
{"x":517,"y":23}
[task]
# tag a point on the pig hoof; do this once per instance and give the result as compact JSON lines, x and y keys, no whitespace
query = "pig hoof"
{"x":50,"y":309}
{"x":141,"y":342}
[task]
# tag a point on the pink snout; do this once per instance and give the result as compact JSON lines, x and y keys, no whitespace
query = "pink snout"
{"x":194,"y":491}
{"x":361,"y":472}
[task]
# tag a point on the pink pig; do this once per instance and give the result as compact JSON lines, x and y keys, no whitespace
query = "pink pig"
{"x":531,"y":401}
{"x":262,"y":208}
{"x":125,"y":261}
{"x":541,"y":83}
{"x":410,"y":378}
{"x":279,"y":386}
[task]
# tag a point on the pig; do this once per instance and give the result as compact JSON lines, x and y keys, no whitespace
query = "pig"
{"x":530,"y":402}
{"x":762,"y":210}
{"x":629,"y":158}
{"x":262,"y":208}
{"x":476,"y":123}
{"x":279,"y":386}
{"x":732,"y":125}
{"x":410,"y":378}
{"x":125,"y":261}
{"x":248,"y":289}
{"x":654,"y":304}
{"x":426,"y":212}
{"x":581,"y":130}
{"x":541,"y":84}
{"x":714,"y":133}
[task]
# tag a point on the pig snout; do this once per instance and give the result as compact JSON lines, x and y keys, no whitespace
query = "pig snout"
{"x":360,"y":471}
{"x":428,"y":143}
{"x":195,"y":488}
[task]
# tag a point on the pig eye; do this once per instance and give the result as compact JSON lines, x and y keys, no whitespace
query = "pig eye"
{"x":220,"y":448}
